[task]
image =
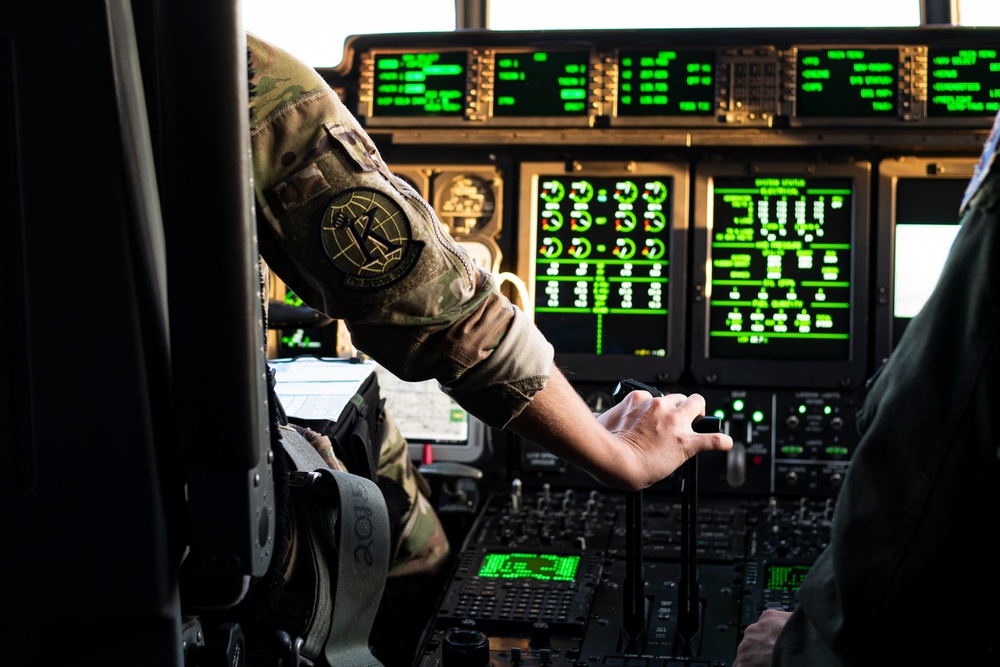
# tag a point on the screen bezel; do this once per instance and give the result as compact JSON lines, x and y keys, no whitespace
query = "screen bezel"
{"x":888,"y":328}
{"x":840,"y":373}
{"x":613,"y":367}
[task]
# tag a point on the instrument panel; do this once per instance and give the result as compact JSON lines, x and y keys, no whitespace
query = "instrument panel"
{"x":753,"y":215}
{"x":806,"y":78}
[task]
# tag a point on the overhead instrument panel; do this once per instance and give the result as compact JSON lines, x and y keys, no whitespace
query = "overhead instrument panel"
{"x":672,"y":81}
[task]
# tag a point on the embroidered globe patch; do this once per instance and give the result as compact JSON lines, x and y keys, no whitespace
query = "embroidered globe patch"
{"x":368,"y":237}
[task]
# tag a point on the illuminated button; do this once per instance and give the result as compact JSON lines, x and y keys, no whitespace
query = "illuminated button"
{"x":738,"y":405}
{"x":758,"y":416}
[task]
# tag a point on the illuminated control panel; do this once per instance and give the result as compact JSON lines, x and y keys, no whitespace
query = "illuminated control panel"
{"x":963,"y":82}
{"x":780,"y":281}
{"x":859,"y":82}
{"x":665,"y":82}
{"x":604,"y":259}
{"x":673,"y":81}
{"x":780,"y":266}
{"x":538,"y":84}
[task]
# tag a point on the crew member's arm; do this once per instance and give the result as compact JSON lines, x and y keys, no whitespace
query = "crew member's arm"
{"x":757,"y":645}
{"x":631,"y":446}
{"x":357,"y":243}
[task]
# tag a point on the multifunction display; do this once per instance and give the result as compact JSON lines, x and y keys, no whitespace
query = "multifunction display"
{"x":913,"y":78}
{"x":542,"y":566}
{"x":963,"y":82}
{"x":666,"y":83}
{"x":602,"y":263}
{"x":419,"y":84}
{"x":541,"y":83}
{"x":847,"y":82}
{"x":780,"y":268}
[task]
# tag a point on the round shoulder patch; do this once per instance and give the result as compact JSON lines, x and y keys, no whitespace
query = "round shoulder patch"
{"x":368,"y":237}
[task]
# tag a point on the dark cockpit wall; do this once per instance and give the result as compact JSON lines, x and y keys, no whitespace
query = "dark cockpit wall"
{"x":125,"y":197}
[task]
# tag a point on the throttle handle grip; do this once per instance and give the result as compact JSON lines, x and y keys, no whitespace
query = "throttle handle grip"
{"x":701,"y":423}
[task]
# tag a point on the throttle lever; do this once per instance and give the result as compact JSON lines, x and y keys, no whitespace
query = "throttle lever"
{"x":701,"y":423}
{"x":689,"y":621}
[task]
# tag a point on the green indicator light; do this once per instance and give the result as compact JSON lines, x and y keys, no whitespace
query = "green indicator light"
{"x":802,"y":409}
{"x":720,"y":414}
{"x":758,"y":416}
{"x":827,"y":410}
{"x":738,"y":405}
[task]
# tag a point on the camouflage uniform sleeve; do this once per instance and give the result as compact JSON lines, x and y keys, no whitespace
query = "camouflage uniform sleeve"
{"x":359,"y":244}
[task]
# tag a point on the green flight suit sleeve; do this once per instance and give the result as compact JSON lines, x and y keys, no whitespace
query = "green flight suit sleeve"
{"x":359,"y":244}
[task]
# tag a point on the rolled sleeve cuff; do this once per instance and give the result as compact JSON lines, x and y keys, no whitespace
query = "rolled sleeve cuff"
{"x":498,"y":389}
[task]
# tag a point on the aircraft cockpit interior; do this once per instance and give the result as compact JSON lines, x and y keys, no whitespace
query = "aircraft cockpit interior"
{"x":753,"y":214}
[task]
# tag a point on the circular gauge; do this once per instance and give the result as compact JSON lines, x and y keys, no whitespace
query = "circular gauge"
{"x":624,"y":248}
{"x":655,"y":249}
{"x":552,"y":191}
{"x":580,"y":221}
{"x":626,"y":192}
{"x":625,"y":221}
{"x":466,"y":203}
{"x":551,"y":247}
{"x":654,"y":192}
{"x":552,"y":220}
{"x":581,"y":191}
{"x":654,"y":221}
{"x":580,"y":248}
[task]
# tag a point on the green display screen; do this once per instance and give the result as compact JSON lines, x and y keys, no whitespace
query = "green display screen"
{"x":541,"y":83}
{"x":786,"y":577}
{"x":419,"y":84}
{"x":847,"y":83}
{"x":602,"y":259}
{"x":963,"y":82}
{"x":666,"y":83}
{"x":781,"y":265}
{"x":545,"y":567}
